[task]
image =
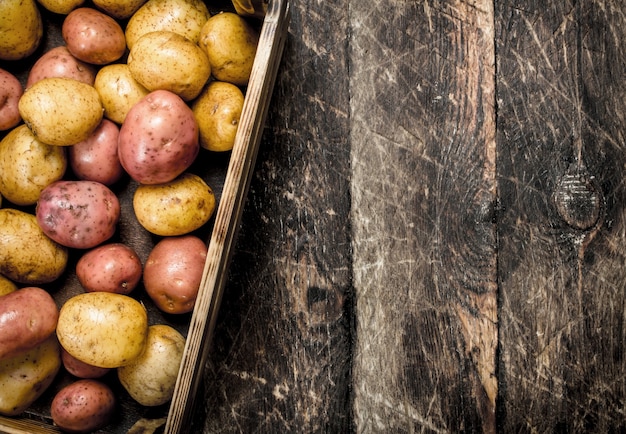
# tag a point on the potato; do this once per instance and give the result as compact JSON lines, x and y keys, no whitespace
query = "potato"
{"x":21,"y":29}
{"x":25,"y":377}
{"x":27,"y":166}
{"x":6,"y":285}
{"x":230,"y":43}
{"x":217,"y":111}
{"x":185,"y":17}
{"x":61,"y":111}
{"x":28,"y":317}
{"x":59,"y":62}
{"x":173,"y":272}
{"x":119,"y":9}
{"x":176,"y":207}
{"x":118,"y":90}
{"x":83,"y":406}
{"x":27,"y":255}
{"x":167,"y":60}
{"x":113,"y":267}
{"x":93,"y":36}
{"x":78,"y":214}
{"x":159,"y":138}
{"x":10,"y":92}
{"x":251,"y":8}
{"x":103,"y":329}
{"x":81,"y":369}
{"x":95,"y":159}
{"x":62,"y":7}
{"x":150,"y":378}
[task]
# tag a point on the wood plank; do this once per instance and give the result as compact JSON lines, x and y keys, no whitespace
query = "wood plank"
{"x":561,"y":230}
{"x":281,"y":355}
{"x":424,"y":194}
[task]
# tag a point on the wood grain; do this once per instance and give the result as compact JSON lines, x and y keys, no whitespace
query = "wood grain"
{"x":561,"y":115}
{"x":424,"y":196}
{"x":281,"y":355}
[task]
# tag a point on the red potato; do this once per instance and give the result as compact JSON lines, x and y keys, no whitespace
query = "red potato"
{"x":79,"y":368}
{"x":83,"y":406}
{"x":109,"y":268}
{"x":93,"y":36}
{"x":10,"y":92}
{"x":158,"y":139}
{"x":28,"y":317}
{"x":95,"y":159}
{"x":78,"y":214}
{"x":173,"y":272}
{"x":59,"y":62}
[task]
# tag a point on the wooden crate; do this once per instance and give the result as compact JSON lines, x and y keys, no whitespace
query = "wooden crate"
{"x":229,"y":175}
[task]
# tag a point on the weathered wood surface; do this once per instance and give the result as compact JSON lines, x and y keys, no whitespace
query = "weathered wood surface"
{"x":562,"y":336}
{"x":426,"y":246}
{"x":282,"y":347}
{"x":424,"y":196}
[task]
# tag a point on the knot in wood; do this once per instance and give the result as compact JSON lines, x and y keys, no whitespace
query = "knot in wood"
{"x":578,"y":199}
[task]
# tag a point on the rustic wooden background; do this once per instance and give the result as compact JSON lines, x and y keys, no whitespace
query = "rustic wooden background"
{"x":435,"y":235}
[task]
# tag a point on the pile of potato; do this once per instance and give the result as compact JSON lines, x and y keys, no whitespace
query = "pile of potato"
{"x":139,"y":89}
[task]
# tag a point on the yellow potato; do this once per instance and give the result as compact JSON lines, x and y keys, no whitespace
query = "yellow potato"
{"x":103,"y":329}
{"x":27,"y":166}
{"x":150,"y":378}
{"x":164,"y":60}
{"x":120,"y":9}
{"x":21,"y":28}
{"x":25,"y":377}
{"x":230,"y":41}
{"x":185,"y":17}
{"x":217,"y":111}
{"x":174,"y":208}
{"x":118,"y":91}
{"x":27,"y":255}
{"x":61,"y":111}
{"x":63,"y":7}
{"x":6,"y":286}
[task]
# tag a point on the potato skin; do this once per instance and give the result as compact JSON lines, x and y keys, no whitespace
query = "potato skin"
{"x":230,"y":43}
{"x":113,"y":267}
{"x":173,"y":273}
{"x":150,"y":379}
{"x":93,"y":36}
{"x":185,"y":17}
{"x":83,"y":406}
{"x":21,"y":28}
{"x":78,"y":214}
{"x":28,"y":317}
{"x":118,"y":90}
{"x":59,"y":62}
{"x":27,"y":254}
{"x":95,"y":159}
{"x":27,"y":166}
{"x":6,"y":285}
{"x":218,"y":110}
{"x":25,"y":377}
{"x":61,"y":111}
{"x":62,"y":7}
{"x":10,"y":92}
{"x":120,"y":9}
{"x":81,"y":369}
{"x":103,"y":329}
{"x":174,"y":208}
{"x":159,"y":138}
{"x":167,"y":60}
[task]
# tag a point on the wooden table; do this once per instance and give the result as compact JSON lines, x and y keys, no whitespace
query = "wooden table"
{"x":435,"y":236}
